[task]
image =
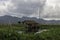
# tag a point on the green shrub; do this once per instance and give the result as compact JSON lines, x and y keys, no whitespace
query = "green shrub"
{"x":52,"y":34}
{"x":9,"y":36}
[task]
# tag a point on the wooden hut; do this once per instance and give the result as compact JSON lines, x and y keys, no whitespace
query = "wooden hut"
{"x":32,"y":26}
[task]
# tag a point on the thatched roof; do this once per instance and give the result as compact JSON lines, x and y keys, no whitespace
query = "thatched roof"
{"x":30,"y":22}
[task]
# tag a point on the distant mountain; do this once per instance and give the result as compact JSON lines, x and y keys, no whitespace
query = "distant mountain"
{"x":11,"y":19}
{"x":8,"y":19}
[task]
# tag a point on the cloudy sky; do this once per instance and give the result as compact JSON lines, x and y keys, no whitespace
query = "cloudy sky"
{"x":46,"y":9}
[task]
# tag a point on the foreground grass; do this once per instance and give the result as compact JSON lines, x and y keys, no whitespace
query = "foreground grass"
{"x":8,"y":32}
{"x":52,"y":34}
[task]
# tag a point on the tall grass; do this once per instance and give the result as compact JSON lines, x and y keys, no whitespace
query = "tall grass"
{"x":8,"y":32}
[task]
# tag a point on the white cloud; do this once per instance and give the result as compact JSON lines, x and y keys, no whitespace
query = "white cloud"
{"x":4,"y":6}
{"x":51,"y":10}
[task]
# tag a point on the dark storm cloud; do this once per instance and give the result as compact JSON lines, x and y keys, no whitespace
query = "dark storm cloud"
{"x":25,"y":8}
{"x":47,"y":8}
